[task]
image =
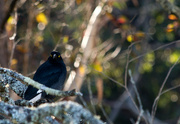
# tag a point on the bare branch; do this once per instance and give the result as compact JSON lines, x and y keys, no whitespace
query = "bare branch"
{"x":125,"y":77}
{"x":91,"y":97}
{"x":12,"y":51}
{"x":37,"y":85}
{"x":105,"y":114}
{"x":138,"y":98}
{"x":160,"y":47}
{"x":154,"y":107}
{"x":172,"y":88}
{"x":111,"y":79}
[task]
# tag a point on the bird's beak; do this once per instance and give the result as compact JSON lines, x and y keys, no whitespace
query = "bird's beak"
{"x":54,"y":56}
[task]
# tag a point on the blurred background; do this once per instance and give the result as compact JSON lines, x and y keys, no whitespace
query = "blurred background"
{"x":100,"y":42}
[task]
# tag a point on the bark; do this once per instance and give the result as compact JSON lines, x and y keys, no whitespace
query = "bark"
{"x":3,"y":37}
{"x":87,"y":45}
{"x":67,"y":111}
{"x":28,"y":36}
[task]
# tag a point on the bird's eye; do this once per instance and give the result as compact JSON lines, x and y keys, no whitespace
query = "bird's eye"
{"x":59,"y":56}
{"x":51,"y":55}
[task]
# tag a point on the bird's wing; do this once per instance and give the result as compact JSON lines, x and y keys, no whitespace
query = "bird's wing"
{"x":40,"y":76}
{"x":45,"y":70}
{"x":30,"y":93}
{"x":49,"y":76}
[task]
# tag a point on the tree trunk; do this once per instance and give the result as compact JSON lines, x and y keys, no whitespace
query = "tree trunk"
{"x":3,"y":38}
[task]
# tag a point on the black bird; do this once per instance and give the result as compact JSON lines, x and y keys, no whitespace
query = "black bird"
{"x":52,"y":74}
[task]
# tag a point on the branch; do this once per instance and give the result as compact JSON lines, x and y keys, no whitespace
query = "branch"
{"x":35,"y":84}
{"x":87,"y":44}
{"x":160,"y":47}
{"x":13,"y":83}
{"x":138,"y":98}
{"x":154,"y":107}
{"x":72,"y":112}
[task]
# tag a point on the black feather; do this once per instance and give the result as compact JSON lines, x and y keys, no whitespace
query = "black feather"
{"x":52,"y":74}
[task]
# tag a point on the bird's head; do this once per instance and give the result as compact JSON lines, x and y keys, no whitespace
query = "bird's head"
{"x":55,"y":57}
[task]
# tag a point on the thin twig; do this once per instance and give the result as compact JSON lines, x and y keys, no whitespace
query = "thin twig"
{"x":138,"y":98}
{"x":162,"y":46}
{"x":13,"y":40}
{"x":172,"y":88}
{"x":128,"y":61}
{"x":154,"y":107}
{"x":12,"y":51}
{"x":91,"y":97}
{"x":139,"y":117}
{"x":57,"y":45}
{"x":125,"y":78}
{"x":83,"y":102}
{"x":105,"y":114}
{"x":127,"y":64}
{"x":113,"y":80}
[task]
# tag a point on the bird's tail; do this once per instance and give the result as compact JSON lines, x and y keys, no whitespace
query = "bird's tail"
{"x":37,"y":97}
